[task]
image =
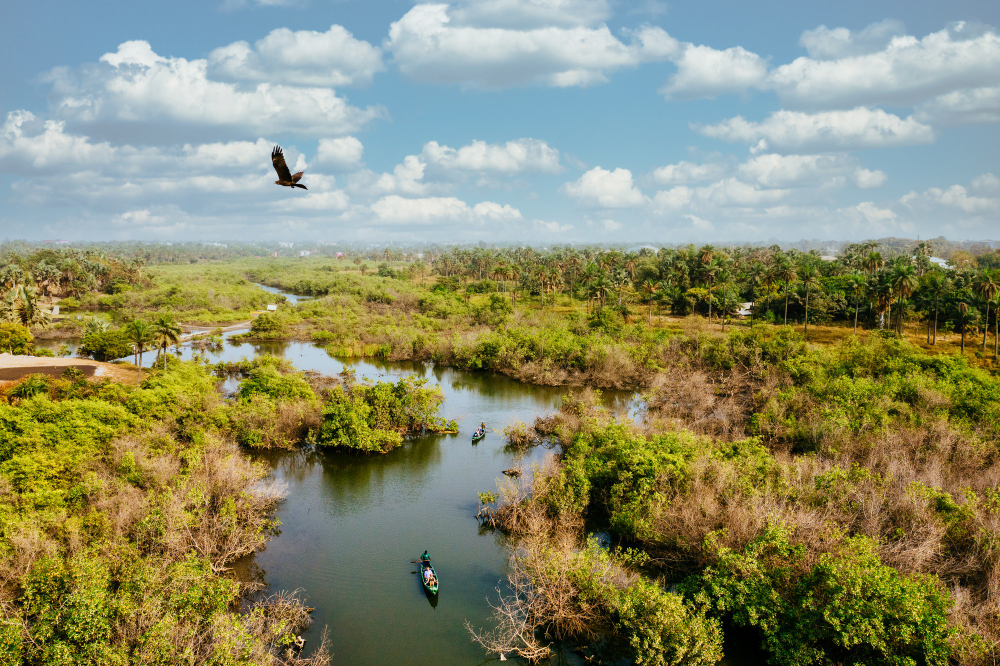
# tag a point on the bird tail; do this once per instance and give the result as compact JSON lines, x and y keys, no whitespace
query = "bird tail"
{"x":299,"y":185}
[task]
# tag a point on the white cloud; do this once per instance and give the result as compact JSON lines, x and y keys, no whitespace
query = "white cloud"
{"x":530,"y":13}
{"x":772,"y":170}
{"x":301,"y":57}
{"x":792,"y":131}
{"x":867,"y":179}
{"x":406,"y":178}
{"x":333,"y":200}
{"x":342,"y":153}
{"x":395,"y":209}
{"x":733,"y":192}
{"x":552,"y":227}
{"x":136,"y":85}
{"x":826,"y":44}
{"x":706,"y":72}
{"x":427,"y":45}
{"x":605,"y":189}
{"x":137,"y":218}
{"x":611,"y":225}
{"x":672,"y":200}
{"x":683,"y":173}
{"x":907,"y":71}
{"x":971,"y":105}
{"x":490,"y":210}
{"x":515,"y":156}
{"x":955,"y":197}
{"x":699,"y":224}
{"x":986,"y":184}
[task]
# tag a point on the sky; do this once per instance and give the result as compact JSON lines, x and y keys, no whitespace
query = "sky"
{"x":541,"y":121}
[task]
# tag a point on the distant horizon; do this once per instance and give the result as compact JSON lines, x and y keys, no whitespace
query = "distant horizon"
{"x":814,"y":243}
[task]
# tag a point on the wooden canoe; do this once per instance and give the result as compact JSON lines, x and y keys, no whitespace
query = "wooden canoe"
{"x":432,"y":586}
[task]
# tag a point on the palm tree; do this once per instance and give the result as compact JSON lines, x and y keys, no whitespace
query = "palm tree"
{"x":965,"y":317}
{"x":166,"y":332}
{"x":904,"y":281}
{"x":936,"y":285}
{"x":810,"y":279}
{"x":785,"y":272}
{"x":757,"y":278}
{"x":140,"y":334}
{"x":857,"y":284}
{"x":724,"y":280}
{"x":711,"y":272}
{"x":25,"y":307}
{"x":987,"y":286}
{"x":649,"y":289}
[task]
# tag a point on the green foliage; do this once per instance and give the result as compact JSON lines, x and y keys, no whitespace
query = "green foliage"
{"x":846,"y":608}
{"x":374,"y":418}
{"x":612,"y":471}
{"x":269,"y":325}
{"x":661,"y":628}
{"x":267,"y":380}
{"x":15,"y":338}
{"x":106,"y":345}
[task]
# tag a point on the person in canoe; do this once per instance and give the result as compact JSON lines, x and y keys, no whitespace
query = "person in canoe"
{"x":479,"y":434}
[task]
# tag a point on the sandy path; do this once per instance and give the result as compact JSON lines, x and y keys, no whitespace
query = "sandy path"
{"x":14,"y":367}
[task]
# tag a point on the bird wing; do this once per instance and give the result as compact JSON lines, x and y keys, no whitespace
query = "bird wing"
{"x":278,"y":160}
{"x":296,"y":177}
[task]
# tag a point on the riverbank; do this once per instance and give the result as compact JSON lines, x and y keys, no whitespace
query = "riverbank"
{"x":14,"y":367}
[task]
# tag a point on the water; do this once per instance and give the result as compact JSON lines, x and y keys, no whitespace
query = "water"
{"x":293,"y":299}
{"x":352,"y":524}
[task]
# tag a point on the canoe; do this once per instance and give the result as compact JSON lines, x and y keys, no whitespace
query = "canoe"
{"x":432,"y":586}
{"x":478,"y":435}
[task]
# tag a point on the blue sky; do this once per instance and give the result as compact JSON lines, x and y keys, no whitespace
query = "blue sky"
{"x":510,"y":120}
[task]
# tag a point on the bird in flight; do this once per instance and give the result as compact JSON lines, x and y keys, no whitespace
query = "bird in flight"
{"x":285,"y":177}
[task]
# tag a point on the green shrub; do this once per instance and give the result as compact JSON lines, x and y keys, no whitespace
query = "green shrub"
{"x":15,"y":339}
{"x":847,"y":608}
{"x":106,"y":345}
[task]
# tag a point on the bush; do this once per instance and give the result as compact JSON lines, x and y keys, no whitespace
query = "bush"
{"x":15,"y":339}
{"x":375,"y":418}
{"x":847,"y":608}
{"x":106,"y":345}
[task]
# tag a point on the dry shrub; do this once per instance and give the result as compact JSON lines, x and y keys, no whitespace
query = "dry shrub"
{"x":519,"y":435}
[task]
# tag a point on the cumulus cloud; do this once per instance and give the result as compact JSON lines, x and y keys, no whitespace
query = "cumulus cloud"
{"x":706,"y":72}
{"x":530,"y":13}
{"x":955,"y":197}
{"x":793,"y":131}
{"x":907,"y":71}
{"x":832,"y":44}
{"x":301,"y":57}
{"x":394,"y":209}
{"x":961,"y":107}
{"x":520,"y":155}
{"x":867,"y":179}
{"x":136,"y":85}
{"x":684,"y":173}
{"x":986,"y":184}
{"x":552,"y":227}
{"x":601,"y":188}
{"x":773,"y":170}
{"x":342,"y":153}
{"x":28,"y":143}
{"x":406,"y":178}
{"x":699,"y":224}
{"x":427,"y":45}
